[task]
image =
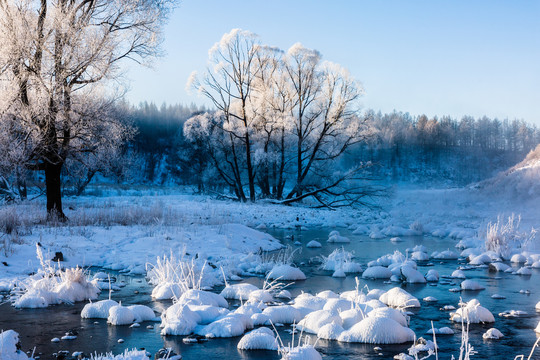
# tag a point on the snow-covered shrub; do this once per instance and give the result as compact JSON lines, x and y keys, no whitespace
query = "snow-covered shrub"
{"x":173,"y":276}
{"x":503,"y":237}
{"x":53,"y":285}
{"x":126,"y":355}
{"x":340,"y":260}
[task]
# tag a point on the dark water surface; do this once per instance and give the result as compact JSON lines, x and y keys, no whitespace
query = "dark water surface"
{"x":38,"y":326}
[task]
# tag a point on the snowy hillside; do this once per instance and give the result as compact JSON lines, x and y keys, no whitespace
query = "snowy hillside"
{"x":521,"y":182}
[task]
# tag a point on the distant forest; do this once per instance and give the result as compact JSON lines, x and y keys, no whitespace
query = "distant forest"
{"x":403,"y":147}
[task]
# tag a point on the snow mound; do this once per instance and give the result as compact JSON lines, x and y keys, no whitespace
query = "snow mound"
{"x":474,"y":312}
{"x":441,"y":331}
{"x":283,"y":314}
{"x":98,"y":310}
{"x":304,"y":352}
{"x":313,"y":322}
{"x":258,"y":339}
{"x":397,"y":297}
{"x":142,"y":313}
{"x":471,"y":285}
{"x":238,"y":291}
{"x":389,"y":313}
{"x":492,"y":334}
{"x":121,"y":315}
{"x":229,"y":326}
{"x":335,"y":237}
{"x":330,"y":331}
{"x":286,"y":272}
{"x":179,"y":320}
{"x":201,"y":297}
{"x":377,"y":330}
{"x":458,"y":274}
{"x":313,"y":244}
{"x":377,"y":272}
{"x":8,"y":346}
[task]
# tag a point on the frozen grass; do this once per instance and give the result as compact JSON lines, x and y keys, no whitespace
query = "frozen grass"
{"x":53,"y":285}
{"x":503,"y":237}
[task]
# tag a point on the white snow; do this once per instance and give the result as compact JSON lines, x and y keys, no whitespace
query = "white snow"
{"x":397,"y":297}
{"x":258,"y":339}
{"x":8,"y":346}
{"x":120,"y":315}
{"x":313,"y":244}
{"x":471,"y":285}
{"x":283,"y":314}
{"x":313,"y":322}
{"x":286,"y":272}
{"x":229,"y":326}
{"x":377,"y":330}
{"x":473,"y":312}
{"x":377,"y":272}
{"x":492,"y":334}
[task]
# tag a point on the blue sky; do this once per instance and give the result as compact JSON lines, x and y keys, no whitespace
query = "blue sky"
{"x":433,"y":57}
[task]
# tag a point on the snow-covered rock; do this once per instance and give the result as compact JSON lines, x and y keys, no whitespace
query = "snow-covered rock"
{"x":120,"y":315}
{"x":377,"y":272}
{"x":283,"y":314}
{"x":259,"y":339}
{"x":142,"y":313}
{"x":471,"y":285}
{"x":201,"y":297}
{"x":304,"y":352}
{"x":178,"y":319}
{"x":238,"y":291}
{"x":317,"y":319}
{"x":397,"y":297}
{"x":377,"y":330}
{"x":8,"y":346}
{"x":286,"y":272}
{"x":458,"y":274}
{"x":492,"y":334}
{"x":330,"y":331}
{"x":229,"y":326}
{"x":474,"y":312}
{"x":313,"y":244}
{"x":98,"y":310}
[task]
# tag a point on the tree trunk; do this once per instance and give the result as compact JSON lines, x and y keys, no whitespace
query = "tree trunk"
{"x":54,"y":191}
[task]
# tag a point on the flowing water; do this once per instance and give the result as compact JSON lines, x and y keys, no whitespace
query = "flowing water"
{"x":38,"y":326}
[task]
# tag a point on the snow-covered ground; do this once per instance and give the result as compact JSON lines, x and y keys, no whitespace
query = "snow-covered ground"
{"x":195,"y":242}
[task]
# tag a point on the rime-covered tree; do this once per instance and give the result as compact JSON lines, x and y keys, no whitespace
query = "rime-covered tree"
{"x":55,"y":58}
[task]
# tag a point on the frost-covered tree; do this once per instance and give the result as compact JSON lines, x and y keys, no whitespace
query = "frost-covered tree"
{"x":55,"y":59}
{"x":277,"y":113}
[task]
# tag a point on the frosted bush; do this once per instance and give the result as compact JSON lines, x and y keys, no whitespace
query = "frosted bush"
{"x":502,"y":238}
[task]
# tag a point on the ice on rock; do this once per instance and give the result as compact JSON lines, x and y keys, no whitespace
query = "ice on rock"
{"x":201,"y":297}
{"x":327,"y":294}
{"x":377,"y":330}
{"x":337,"y":305}
{"x":209,"y":313}
{"x":430,"y":299}
{"x":492,"y":334}
{"x":411,"y":275}
{"x":377,"y":272}
{"x":396,"y":239}
{"x":304,"y":352}
{"x":335,"y":237}
{"x":330,"y":331}
{"x":445,"y":255}
{"x":471,"y":285}
{"x":315,"y":320}
{"x":142,"y":313}
{"x":258,"y":339}
{"x":286,"y":272}
{"x":120,"y":315}
{"x":390,"y":313}
{"x":238,"y":291}
{"x":420,"y":256}
{"x":474,"y":312}
{"x":284,"y":294}
{"x":307,"y":303}
{"x":313,"y":244}
{"x":229,"y":326}
{"x":518,"y":258}
{"x":458,"y":274}
{"x":432,"y":276}
{"x":441,"y":331}
{"x":98,"y":310}
{"x":524,"y":271}
{"x":397,"y":297}
{"x":283,"y":314}
{"x":179,"y":320}
{"x":498,"y":267}
{"x":351,"y":317}
{"x":8,"y":346}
